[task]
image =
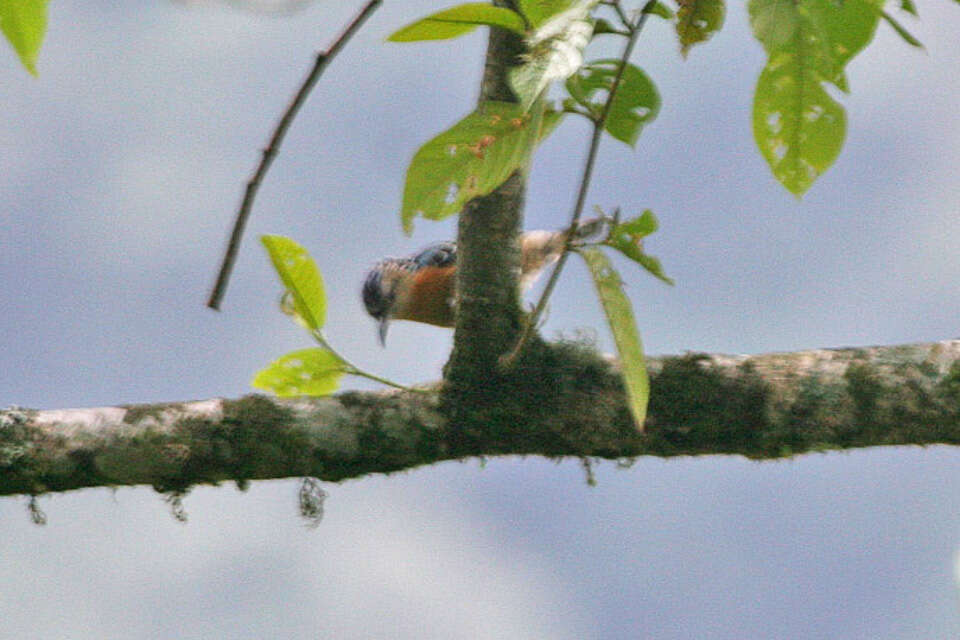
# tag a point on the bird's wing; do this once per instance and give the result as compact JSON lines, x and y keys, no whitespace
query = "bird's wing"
{"x":443,"y":254}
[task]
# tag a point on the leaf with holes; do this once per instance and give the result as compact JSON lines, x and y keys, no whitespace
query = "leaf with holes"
{"x":627,"y":238}
{"x":307,"y":372}
{"x":471,"y":159}
{"x":302,"y":279}
{"x":697,"y":21}
{"x":619,"y":314}
{"x":459,"y":20}
{"x":554,"y":51}
{"x":635,"y":104}
{"x":797,"y":125}
{"x":24,"y":23}
{"x":824,"y":34}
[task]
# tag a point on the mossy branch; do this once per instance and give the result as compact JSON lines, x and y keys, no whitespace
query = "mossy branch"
{"x":765,"y":406}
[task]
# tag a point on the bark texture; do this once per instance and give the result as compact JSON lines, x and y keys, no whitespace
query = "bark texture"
{"x":765,"y":406}
{"x":488,"y":268}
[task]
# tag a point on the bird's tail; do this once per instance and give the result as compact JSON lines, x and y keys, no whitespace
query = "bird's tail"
{"x":540,"y":249}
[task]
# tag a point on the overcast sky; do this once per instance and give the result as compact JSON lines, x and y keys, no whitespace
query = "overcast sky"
{"x":120,"y":170}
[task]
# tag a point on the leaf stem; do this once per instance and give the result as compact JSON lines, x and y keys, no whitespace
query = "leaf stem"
{"x":580,"y":112}
{"x":901,"y":30}
{"x":635,"y":29}
{"x":323,"y":59}
{"x":354,"y":370}
{"x":622,"y":14}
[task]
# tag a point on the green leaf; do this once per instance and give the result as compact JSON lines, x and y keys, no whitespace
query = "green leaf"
{"x":826,"y":34}
{"x":639,"y":227}
{"x":603,"y":26}
{"x":538,"y":12}
{"x":662,"y":10}
{"x":470,"y":159}
{"x":530,"y":80}
{"x":635,"y":104}
{"x":616,"y":306}
{"x":554,"y":51}
{"x":902,"y":31}
{"x":697,"y":21}
{"x":24,"y":23}
{"x":774,"y":22}
{"x":627,"y":238}
{"x":459,"y":20}
{"x":848,"y":27}
{"x":548,"y":123}
{"x":840,"y":82}
{"x":308,"y":372}
{"x":797,"y":125}
{"x":910,"y":7}
{"x":301,"y":278}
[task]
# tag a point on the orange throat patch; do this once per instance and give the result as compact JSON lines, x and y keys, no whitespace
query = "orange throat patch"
{"x":429,"y":298}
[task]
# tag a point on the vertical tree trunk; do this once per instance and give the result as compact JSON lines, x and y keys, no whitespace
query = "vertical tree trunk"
{"x":489,"y":315}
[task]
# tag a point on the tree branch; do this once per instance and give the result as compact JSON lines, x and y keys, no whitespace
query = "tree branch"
{"x":488,"y":265}
{"x":765,"y":406}
{"x":323,"y":59}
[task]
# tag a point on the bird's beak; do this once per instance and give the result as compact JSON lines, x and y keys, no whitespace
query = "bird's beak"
{"x":382,"y":327}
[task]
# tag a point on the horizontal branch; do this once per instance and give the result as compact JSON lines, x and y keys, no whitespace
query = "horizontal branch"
{"x":764,"y":406}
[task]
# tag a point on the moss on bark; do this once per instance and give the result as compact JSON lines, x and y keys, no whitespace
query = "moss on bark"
{"x":761,"y":407}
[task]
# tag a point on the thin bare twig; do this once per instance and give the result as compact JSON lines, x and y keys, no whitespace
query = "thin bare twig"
{"x":598,"y":125}
{"x":620,"y":12}
{"x":323,"y":59}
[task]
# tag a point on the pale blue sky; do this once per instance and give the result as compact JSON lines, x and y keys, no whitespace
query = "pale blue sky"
{"x":122,"y":165}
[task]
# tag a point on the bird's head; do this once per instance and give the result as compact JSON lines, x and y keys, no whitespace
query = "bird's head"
{"x":418,"y":288}
{"x":379,"y":297}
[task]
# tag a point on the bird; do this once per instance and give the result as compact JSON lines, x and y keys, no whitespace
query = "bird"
{"x":422,"y":287}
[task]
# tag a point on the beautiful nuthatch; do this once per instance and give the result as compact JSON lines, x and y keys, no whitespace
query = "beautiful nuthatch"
{"x":422,"y":287}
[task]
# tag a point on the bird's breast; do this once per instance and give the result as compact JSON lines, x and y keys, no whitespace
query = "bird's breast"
{"x":430,"y":297}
